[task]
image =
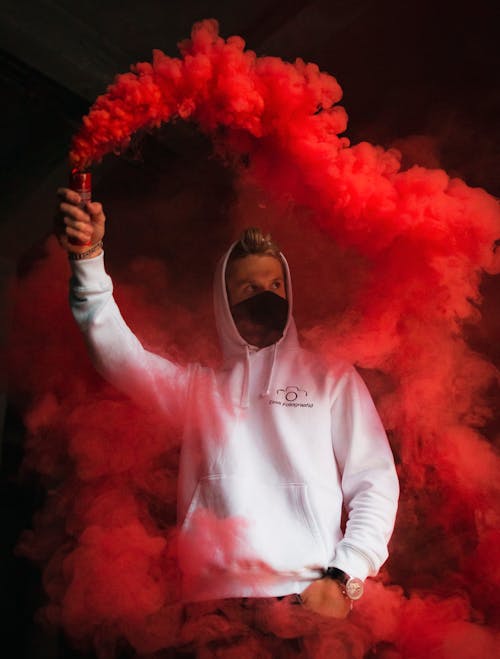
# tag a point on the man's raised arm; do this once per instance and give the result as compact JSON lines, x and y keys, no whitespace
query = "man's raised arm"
{"x":117,"y":354}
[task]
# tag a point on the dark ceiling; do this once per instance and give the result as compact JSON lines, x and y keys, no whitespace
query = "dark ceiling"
{"x":417,"y":67}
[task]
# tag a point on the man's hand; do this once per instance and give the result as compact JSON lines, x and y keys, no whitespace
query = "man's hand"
{"x":326,"y":597}
{"x":78,"y":228}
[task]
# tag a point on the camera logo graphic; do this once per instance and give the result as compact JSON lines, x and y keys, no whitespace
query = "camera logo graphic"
{"x":292,"y":394}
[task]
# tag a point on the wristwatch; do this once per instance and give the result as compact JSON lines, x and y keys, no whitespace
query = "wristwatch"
{"x":352,"y":586}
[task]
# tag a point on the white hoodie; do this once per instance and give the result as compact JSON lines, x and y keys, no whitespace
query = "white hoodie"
{"x":274,"y":443}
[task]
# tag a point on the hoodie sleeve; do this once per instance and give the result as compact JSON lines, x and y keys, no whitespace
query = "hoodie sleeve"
{"x":368,"y":476}
{"x":117,"y":354}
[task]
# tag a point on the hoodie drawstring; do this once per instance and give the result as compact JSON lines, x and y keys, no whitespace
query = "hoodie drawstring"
{"x":267,"y":388}
{"x":245,"y":386}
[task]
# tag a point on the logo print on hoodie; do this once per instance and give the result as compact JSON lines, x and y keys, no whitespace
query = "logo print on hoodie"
{"x":291,"y":396}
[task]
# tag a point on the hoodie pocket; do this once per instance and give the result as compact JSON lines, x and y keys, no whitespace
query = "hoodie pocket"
{"x":238,"y":524}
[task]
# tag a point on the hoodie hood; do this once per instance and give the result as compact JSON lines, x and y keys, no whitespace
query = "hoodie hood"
{"x":232,"y":343}
{"x":234,"y":347}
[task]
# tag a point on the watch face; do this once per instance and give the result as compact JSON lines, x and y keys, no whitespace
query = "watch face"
{"x":354,"y":588}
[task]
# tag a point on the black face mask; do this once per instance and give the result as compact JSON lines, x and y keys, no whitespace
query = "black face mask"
{"x":261,"y":319}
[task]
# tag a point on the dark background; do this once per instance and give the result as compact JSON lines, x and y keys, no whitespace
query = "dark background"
{"x":421,"y":75}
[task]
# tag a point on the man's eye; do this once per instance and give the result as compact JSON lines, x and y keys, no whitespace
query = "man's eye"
{"x":276,"y":284}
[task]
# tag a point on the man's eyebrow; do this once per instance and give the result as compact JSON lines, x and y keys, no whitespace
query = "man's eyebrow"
{"x":250,"y":280}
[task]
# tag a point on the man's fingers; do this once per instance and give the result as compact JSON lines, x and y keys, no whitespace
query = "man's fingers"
{"x":68,"y":207}
{"x":66,"y":194}
{"x":77,"y":225}
{"x":81,"y":236}
{"x":94,"y":209}
{"x":70,"y":210}
{"x":70,"y":244}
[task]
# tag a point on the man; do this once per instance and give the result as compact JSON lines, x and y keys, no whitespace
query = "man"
{"x":275,"y":443}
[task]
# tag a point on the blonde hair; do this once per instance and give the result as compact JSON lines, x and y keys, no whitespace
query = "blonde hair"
{"x":253,"y":241}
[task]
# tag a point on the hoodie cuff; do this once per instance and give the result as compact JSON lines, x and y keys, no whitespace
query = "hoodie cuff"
{"x":352,"y":562}
{"x":89,"y":273}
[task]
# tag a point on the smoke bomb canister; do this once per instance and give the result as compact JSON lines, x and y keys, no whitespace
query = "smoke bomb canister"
{"x":81,"y":182}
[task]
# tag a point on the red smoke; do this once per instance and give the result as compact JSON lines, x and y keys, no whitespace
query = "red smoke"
{"x":409,"y":248}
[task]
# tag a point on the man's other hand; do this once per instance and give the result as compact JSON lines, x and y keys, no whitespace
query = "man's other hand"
{"x":326,"y":597}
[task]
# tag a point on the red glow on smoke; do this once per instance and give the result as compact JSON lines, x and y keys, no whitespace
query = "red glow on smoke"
{"x":216,"y":83}
{"x":414,"y":245}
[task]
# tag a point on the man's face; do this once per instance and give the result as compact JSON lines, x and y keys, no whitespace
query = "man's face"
{"x":254,"y":274}
{"x":248,"y":277}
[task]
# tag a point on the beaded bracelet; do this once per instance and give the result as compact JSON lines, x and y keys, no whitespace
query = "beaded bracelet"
{"x":77,"y":256}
